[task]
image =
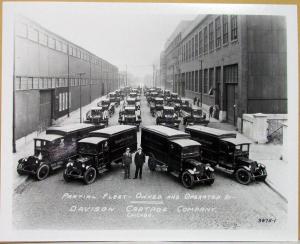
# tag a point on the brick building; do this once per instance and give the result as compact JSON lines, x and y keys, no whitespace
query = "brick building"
{"x":48,"y":73}
{"x":236,"y":62}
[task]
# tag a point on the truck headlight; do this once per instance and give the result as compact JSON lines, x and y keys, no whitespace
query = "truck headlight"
{"x":83,"y":165}
{"x":69,"y":164}
{"x":261,"y":165}
{"x":194,"y":169}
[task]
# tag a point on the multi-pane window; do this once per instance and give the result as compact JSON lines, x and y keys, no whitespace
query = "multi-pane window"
{"x":70,"y":50}
{"x":35,"y":83}
{"x":205,"y":40}
{"x":193,"y":48}
{"x":196,"y":45}
{"x":185,"y":80}
{"x":64,"y":48}
{"x":218,"y":32}
{"x":23,"y":83}
{"x":231,"y":74}
{"x":200,"y":81}
{"x":190,"y":47}
{"x":193,"y":81}
{"x":53,"y":82}
{"x":205,"y":82}
{"x":196,"y":81}
{"x":43,"y":39}
{"x":33,"y":34}
{"x":211,"y":36}
{"x":70,"y":100}
{"x":200,"y":43}
{"x":186,"y":51}
{"x":21,"y":30}
{"x":211,"y":80}
{"x":225,"y":29}
{"x":58,"y":45}
{"x":233,"y":24}
{"x":51,"y":42}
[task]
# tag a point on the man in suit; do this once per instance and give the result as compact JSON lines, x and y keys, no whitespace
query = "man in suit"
{"x":139,"y":161}
{"x":126,"y":160}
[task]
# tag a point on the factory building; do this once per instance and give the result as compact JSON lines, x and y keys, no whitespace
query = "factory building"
{"x":238,"y":63}
{"x":52,"y":75}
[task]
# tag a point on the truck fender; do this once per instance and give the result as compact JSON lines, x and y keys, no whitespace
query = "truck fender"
{"x":191,"y":171}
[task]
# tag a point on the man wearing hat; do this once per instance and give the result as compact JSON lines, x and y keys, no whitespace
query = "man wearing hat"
{"x":139,"y":160}
{"x":126,"y":161}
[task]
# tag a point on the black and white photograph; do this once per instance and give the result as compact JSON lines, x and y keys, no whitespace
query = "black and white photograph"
{"x":149,"y":121}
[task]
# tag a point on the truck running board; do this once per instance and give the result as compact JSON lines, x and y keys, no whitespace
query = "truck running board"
{"x":174,"y":174}
{"x":102,"y":170}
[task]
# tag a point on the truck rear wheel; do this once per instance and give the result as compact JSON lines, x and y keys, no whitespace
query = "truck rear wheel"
{"x":187,"y":179}
{"x":42,"y":172}
{"x":89,"y":175}
{"x":151,"y":163}
{"x":243,"y":176}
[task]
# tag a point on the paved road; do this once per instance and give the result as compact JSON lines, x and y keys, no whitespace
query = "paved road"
{"x":158,"y":201}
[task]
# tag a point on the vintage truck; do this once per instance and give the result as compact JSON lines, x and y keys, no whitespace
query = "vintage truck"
{"x":130,"y":116}
{"x":97,"y":115}
{"x":193,"y":116}
{"x":156,"y":105}
{"x":53,"y":149}
{"x":173,"y":151}
{"x":107,"y":105}
{"x":167,"y":117}
{"x":223,"y":150}
{"x":98,"y":151}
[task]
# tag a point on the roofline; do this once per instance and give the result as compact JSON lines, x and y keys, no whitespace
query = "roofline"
{"x":187,"y":136}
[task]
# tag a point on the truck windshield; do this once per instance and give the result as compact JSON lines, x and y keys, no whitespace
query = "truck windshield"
{"x":86,"y":148}
{"x":130,"y":102}
{"x":159,"y":102}
{"x":96,"y":113}
{"x":242,"y":148}
{"x":197,"y":112}
{"x":190,"y":151}
{"x":130,"y":112}
{"x":168,"y":111}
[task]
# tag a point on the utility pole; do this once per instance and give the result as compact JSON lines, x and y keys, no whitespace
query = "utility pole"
{"x":126,"y":76}
{"x":68,"y":81}
{"x":14,"y":92}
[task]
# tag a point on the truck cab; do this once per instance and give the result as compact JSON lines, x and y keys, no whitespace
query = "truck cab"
{"x":194,"y":116}
{"x":223,"y":150}
{"x":97,"y":115}
{"x":130,"y":116}
{"x":167,"y":117}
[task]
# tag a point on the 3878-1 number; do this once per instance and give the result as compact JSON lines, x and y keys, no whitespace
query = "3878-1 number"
{"x":267,"y":220}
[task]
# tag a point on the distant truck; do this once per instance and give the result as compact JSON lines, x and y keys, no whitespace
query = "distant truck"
{"x":107,"y":105}
{"x":173,"y":151}
{"x":54,"y":149}
{"x":97,"y":115}
{"x":157,"y":104}
{"x":98,"y":151}
{"x":223,"y":150}
{"x":167,"y":117}
{"x":194,"y":116}
{"x":130,"y":116}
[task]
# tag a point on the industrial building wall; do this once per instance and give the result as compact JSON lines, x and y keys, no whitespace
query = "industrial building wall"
{"x":267,"y":64}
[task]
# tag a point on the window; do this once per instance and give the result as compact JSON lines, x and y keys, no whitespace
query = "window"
{"x":56,"y":82}
{"x":205,"y":83}
{"x":60,"y":102}
{"x":43,"y":39}
{"x":45,"y":81}
{"x":225,"y":29}
{"x":18,"y":83}
{"x":21,"y":30}
{"x":33,"y":35}
{"x":193,"y":81}
{"x":29,"y":83}
{"x":64,"y":48}
{"x":211,"y":79}
{"x":58,"y":45}
{"x":205,"y":40}
{"x":193,"y":48}
{"x":186,"y":52}
{"x":233,"y":24}
{"x":218,"y":75}
{"x":75,"y":52}
{"x":70,"y":101}
{"x":200,"y":43}
{"x":190,"y":50}
{"x":51,"y":42}
{"x":185,"y":81}
{"x":196,"y":45}
{"x":218,"y":32}
{"x":53,"y":82}
{"x":200,"y":81}
{"x":23,"y":83}
{"x":49,"y":83}
{"x":70,"y":50}
{"x":190,"y":81}
{"x":196,"y":81}
{"x":35,"y":83}
{"x":231,"y":74}
{"x":211,"y":36}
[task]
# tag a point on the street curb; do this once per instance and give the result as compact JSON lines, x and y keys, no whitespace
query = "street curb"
{"x":273,"y":188}
{"x":19,"y":182}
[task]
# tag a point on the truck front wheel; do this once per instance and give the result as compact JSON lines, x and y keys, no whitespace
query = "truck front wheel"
{"x":243,"y":176}
{"x":42,"y":172}
{"x":89,"y":175}
{"x":67,"y":178}
{"x":187,"y":179}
